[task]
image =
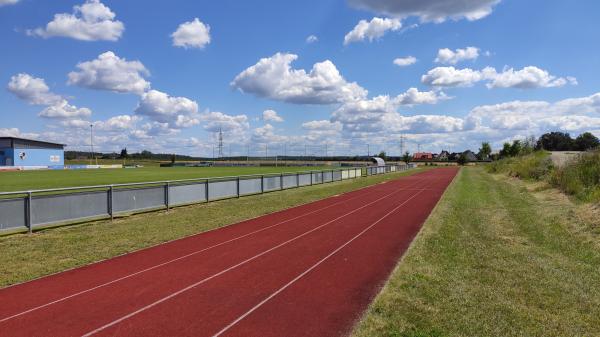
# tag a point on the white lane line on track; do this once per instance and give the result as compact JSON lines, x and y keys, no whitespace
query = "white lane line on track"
{"x":312,"y":267}
{"x":173,"y":260}
{"x":153,"y":304}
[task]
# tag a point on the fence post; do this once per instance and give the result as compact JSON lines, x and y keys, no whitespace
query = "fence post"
{"x":206,"y":191}
{"x":297,"y":179}
{"x":28,"y":219}
{"x":167,"y":195}
{"x":311,"y":179}
{"x":281,"y":181}
{"x":262,"y":184}
{"x":238,"y":186}
{"x":110,"y":202}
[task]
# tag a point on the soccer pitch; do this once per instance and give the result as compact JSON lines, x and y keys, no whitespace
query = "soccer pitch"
{"x":35,"y":180}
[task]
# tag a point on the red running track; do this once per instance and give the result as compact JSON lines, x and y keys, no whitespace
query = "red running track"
{"x":306,"y":271}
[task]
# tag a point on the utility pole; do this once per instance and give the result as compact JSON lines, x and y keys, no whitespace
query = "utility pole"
{"x":92,"y":156}
{"x":401,"y":144}
{"x":368,"y":151}
{"x":325,"y":150}
{"x":266,"y":151}
{"x":220,"y":143}
{"x":247,"y":152}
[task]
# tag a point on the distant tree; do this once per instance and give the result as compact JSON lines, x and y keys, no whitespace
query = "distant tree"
{"x":382,"y":155}
{"x":586,"y":141}
{"x":123,"y":154}
{"x":529,"y":145}
{"x":485,"y":151}
{"x":146,"y":154}
{"x":462,"y":159}
{"x":515,"y":148}
{"x":406,"y":157}
{"x":505,"y":152}
{"x":555,"y":141}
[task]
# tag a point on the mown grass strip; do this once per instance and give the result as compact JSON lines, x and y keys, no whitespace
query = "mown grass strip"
{"x":491,"y":260}
{"x":25,"y":257}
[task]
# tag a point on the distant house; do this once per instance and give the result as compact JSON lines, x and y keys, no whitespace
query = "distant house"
{"x":422,"y":156}
{"x":443,"y":155}
{"x":453,"y":156}
{"x":470,"y":156}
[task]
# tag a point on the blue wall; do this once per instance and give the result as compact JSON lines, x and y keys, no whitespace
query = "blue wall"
{"x":33,"y":157}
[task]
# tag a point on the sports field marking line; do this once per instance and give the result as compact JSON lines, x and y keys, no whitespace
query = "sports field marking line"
{"x":176,"y":259}
{"x":153,"y":304}
{"x":312,"y":267}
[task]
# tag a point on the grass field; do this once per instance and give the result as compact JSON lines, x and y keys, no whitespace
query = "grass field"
{"x":25,"y":257}
{"x":497,"y":257}
{"x":26,"y":180}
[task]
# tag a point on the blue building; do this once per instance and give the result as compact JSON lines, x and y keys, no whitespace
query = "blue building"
{"x":27,"y":152}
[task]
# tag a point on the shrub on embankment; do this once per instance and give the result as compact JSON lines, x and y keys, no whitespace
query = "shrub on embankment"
{"x":533,"y":166}
{"x":580,"y":177}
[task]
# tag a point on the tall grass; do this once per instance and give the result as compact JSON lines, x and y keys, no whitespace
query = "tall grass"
{"x":533,"y":166}
{"x":580,"y":177}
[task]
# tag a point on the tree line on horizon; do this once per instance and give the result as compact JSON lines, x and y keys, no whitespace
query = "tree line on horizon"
{"x":551,"y":141}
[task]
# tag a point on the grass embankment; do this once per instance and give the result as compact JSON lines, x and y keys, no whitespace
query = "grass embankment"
{"x":494,"y":259}
{"x":25,"y":257}
{"x":27,"y":180}
{"x":579,"y":177}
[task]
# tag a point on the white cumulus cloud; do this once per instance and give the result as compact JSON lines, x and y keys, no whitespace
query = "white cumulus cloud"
{"x":34,"y":90}
{"x":177,"y":112}
{"x":10,"y":132}
{"x":312,"y":39}
{"x":273,"y":77}
{"x":64,"y":110}
{"x":451,"y":77}
{"x":447,"y":56}
{"x":192,"y":34}
{"x":271,"y":116}
{"x":214,"y":121}
{"x":526,"y":78}
{"x":415,"y":97}
{"x":371,"y":30}
{"x":8,"y":2}
{"x":110,"y":72}
{"x":91,"y":21}
{"x":430,"y":10}
{"x":405,"y":61}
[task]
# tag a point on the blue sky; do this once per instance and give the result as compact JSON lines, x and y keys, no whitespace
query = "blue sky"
{"x":165,"y":76}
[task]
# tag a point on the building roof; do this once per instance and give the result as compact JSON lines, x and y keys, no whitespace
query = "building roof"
{"x":30,"y":141}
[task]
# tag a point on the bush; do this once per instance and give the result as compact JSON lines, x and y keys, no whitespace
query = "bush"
{"x":534,"y":166}
{"x":580,"y":177}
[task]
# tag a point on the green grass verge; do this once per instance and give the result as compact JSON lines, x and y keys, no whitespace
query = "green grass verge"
{"x":493,"y":260}
{"x":25,"y":257}
{"x":26,"y":180}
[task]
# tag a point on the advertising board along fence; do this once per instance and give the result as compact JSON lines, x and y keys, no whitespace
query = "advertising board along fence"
{"x":30,"y":209}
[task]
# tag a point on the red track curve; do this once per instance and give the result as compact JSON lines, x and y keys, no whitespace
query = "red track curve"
{"x":305,"y":271}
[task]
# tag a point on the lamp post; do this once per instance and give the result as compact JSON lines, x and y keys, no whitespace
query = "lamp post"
{"x":92,"y":142}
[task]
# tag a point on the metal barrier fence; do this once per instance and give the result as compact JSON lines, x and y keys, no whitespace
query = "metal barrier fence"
{"x":30,"y":209}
